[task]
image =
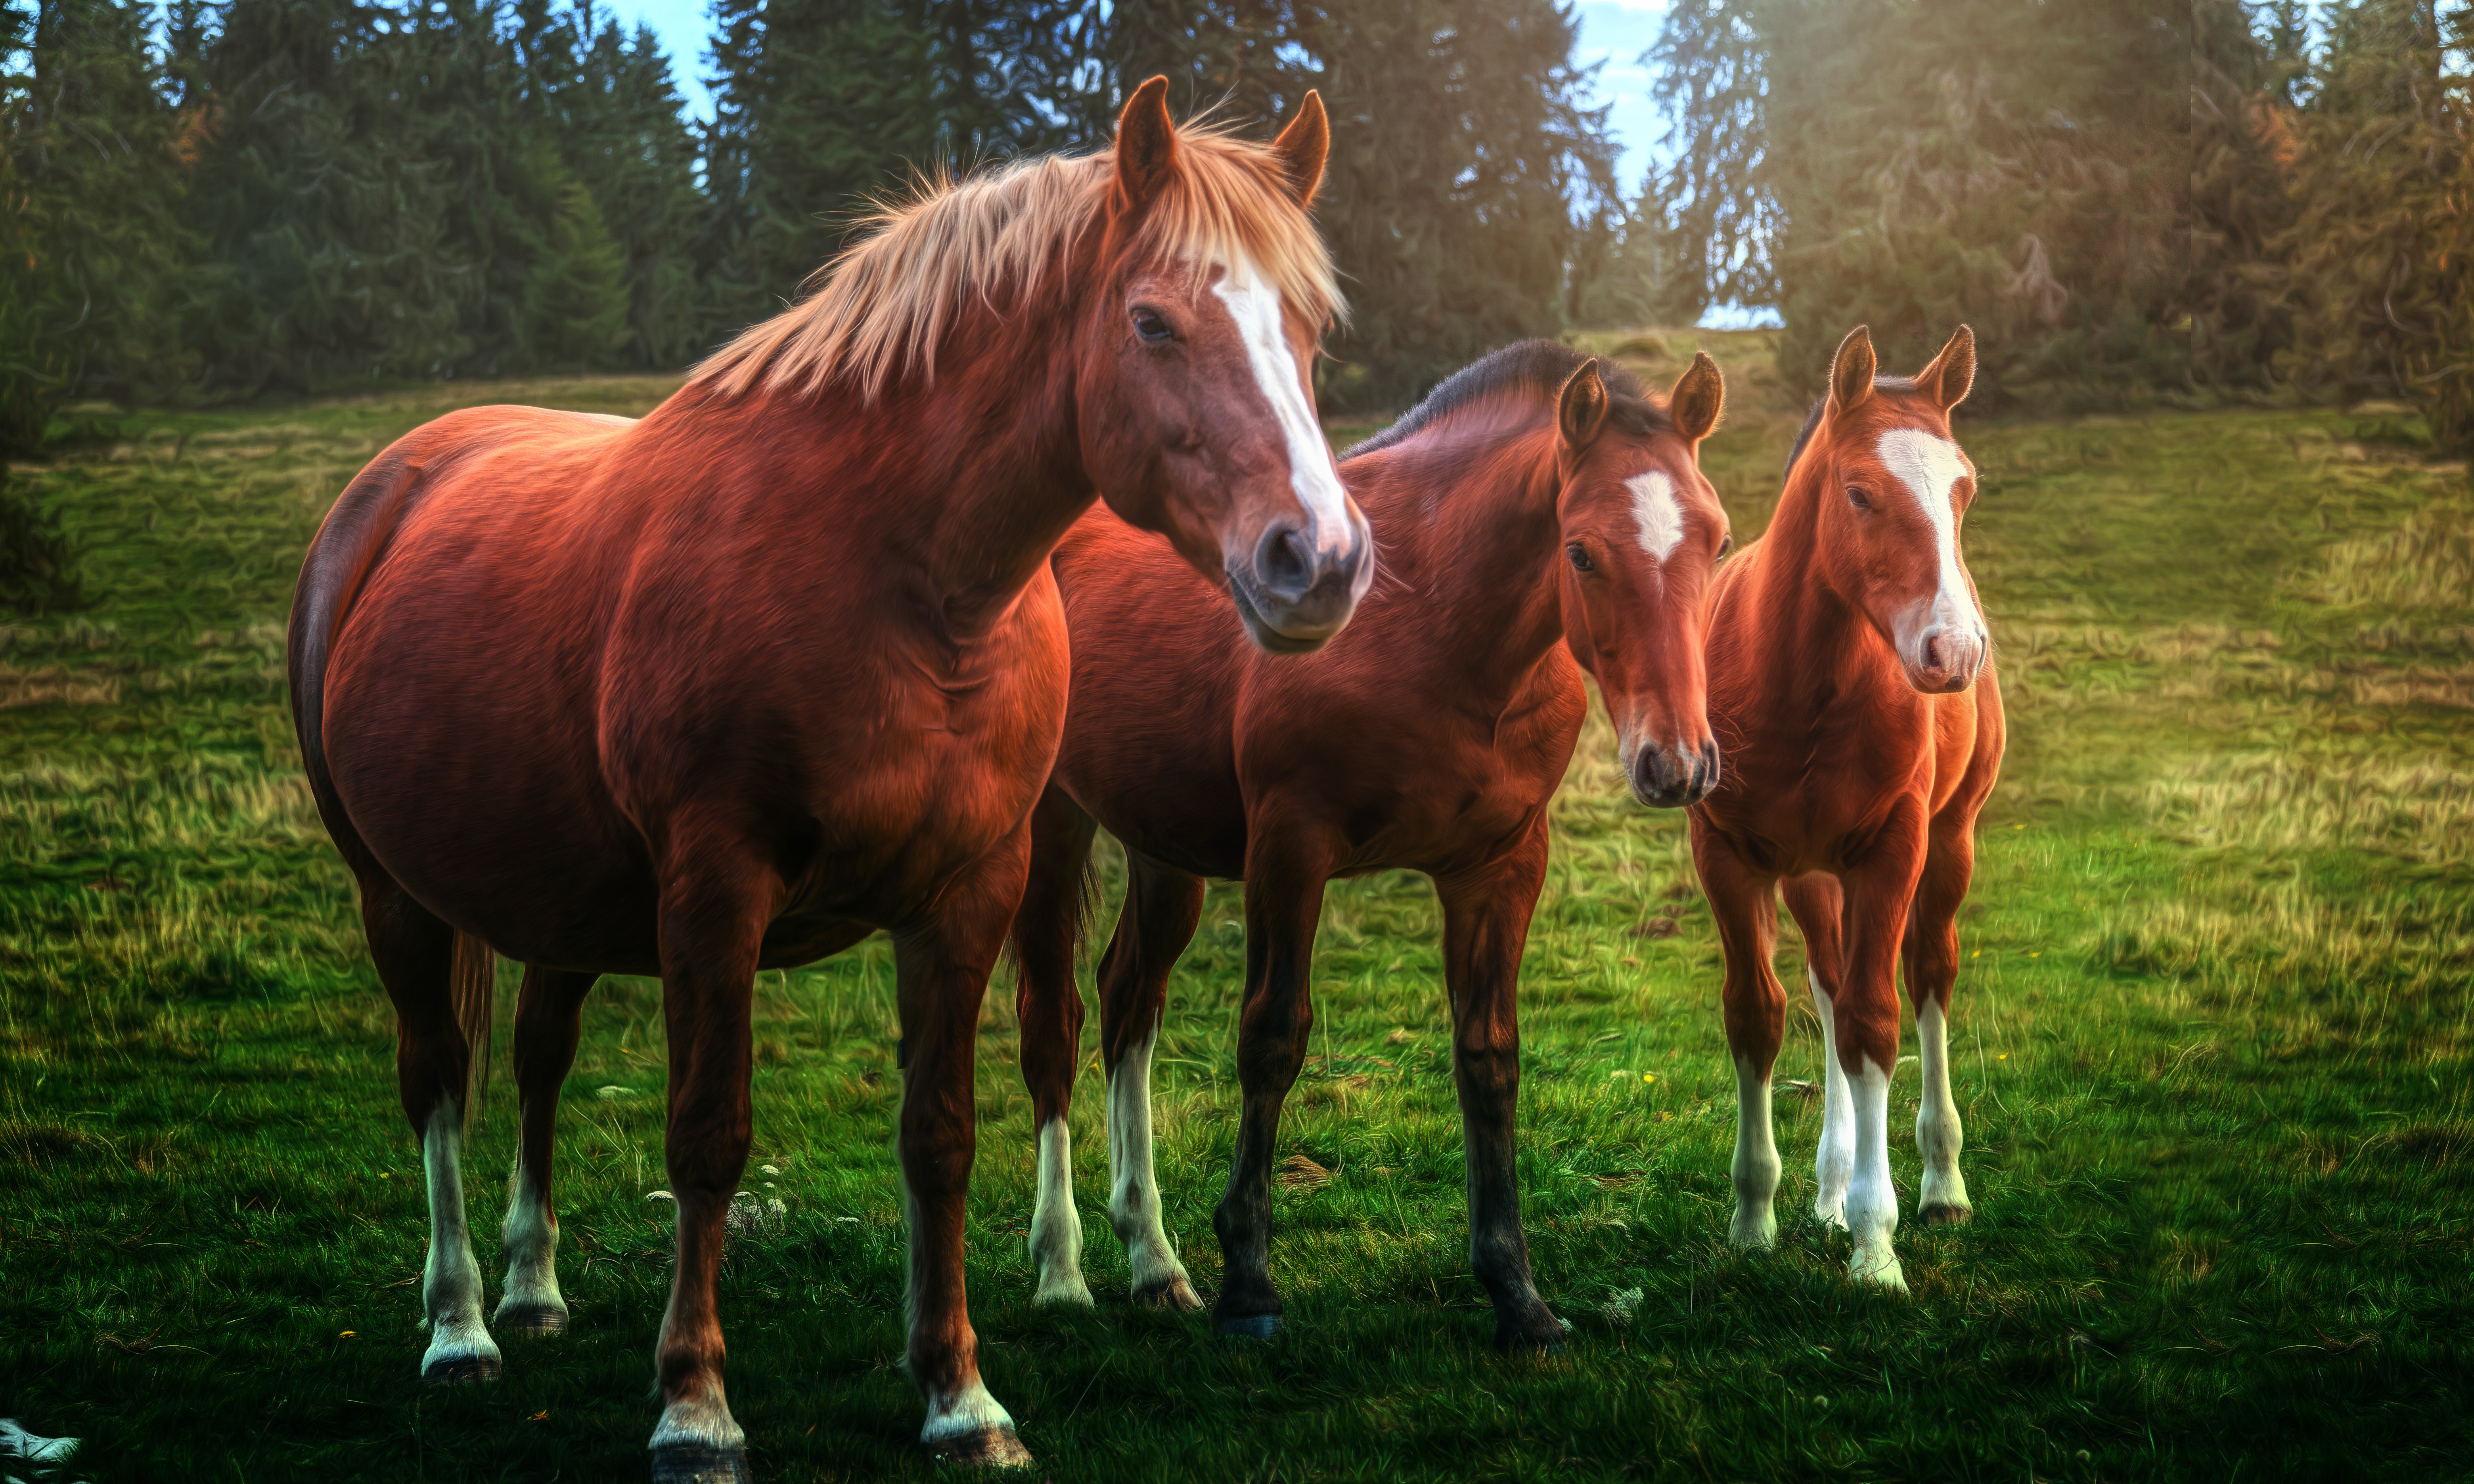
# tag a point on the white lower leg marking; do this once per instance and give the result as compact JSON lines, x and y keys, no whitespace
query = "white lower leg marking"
{"x":1055,"y":1227}
{"x":703,"y":1421}
{"x":1872,"y":1201}
{"x":529,"y":1238}
{"x":451,"y":1282}
{"x":966,"y":1412}
{"x":1133,"y":1195}
{"x":1834,"y":1164}
{"x":1756,"y":1168}
{"x":1937,"y":1131}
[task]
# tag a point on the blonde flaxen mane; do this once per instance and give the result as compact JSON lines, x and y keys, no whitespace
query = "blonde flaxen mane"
{"x":879,"y":310}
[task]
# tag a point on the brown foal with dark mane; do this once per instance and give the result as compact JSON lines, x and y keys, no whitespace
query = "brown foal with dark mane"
{"x":1539,"y":518}
{"x":783,"y":663}
{"x":1850,"y":684}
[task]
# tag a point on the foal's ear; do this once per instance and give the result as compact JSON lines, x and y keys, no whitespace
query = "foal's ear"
{"x":1146,"y":144}
{"x":1699,"y":396}
{"x":1581,"y":408}
{"x":1951,"y":372}
{"x":1851,"y":371}
{"x":1302,"y":147}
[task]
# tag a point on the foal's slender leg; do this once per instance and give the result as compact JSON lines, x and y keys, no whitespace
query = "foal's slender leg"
{"x":942,"y":968}
{"x":1486,"y":924}
{"x":1931,"y":963}
{"x":1162,"y":907}
{"x":712,"y":921}
{"x":1284,"y":885}
{"x":413,"y":950}
{"x":1867,"y":1026}
{"x":548,"y":1021}
{"x":1744,"y":902}
{"x":1818,"y":905}
{"x":1048,"y":1005}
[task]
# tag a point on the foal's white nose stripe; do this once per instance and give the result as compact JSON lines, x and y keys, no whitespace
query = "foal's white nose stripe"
{"x":1255,"y":303}
{"x":1661,"y":520}
{"x":1930,"y":467}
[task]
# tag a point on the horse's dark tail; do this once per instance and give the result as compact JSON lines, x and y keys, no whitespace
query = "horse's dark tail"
{"x":472,"y":985}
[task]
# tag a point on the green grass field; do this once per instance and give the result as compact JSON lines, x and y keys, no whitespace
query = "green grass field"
{"x":2212,"y":1046}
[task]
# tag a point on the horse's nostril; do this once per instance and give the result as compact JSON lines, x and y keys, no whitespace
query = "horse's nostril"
{"x":1284,"y":563}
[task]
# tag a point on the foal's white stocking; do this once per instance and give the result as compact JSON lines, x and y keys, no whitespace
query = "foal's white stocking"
{"x":460,"y":1347}
{"x":1872,"y":1201}
{"x":1834,"y":1166}
{"x":1055,"y":1226}
{"x":1755,"y":1169}
{"x":529,"y":1238}
{"x":1942,"y":1196}
{"x":1134,"y":1197}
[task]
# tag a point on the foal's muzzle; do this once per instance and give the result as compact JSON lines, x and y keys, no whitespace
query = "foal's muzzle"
{"x":1668,"y":776}
{"x":1294,"y":595}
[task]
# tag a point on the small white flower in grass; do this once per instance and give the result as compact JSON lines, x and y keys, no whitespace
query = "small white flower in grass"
{"x":1624,"y":1075}
{"x":612,"y":1093}
{"x":659,"y":1195}
{"x":1620,"y":1305}
{"x":768,"y":1169}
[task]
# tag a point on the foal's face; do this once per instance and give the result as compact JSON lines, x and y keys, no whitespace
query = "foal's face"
{"x":1642,"y":534}
{"x":1199,"y":419}
{"x":1897,"y":488}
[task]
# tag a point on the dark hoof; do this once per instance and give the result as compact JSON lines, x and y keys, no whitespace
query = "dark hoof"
{"x":536,"y":1320}
{"x":1542,"y":1338}
{"x":694,"y":1463}
{"x":989,"y":1448}
{"x":461,"y":1373}
{"x":1250,"y":1327}
{"x":1944,"y":1215}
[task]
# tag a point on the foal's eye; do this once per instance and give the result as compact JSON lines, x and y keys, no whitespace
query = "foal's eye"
{"x":1726,"y":544}
{"x":1148,"y":324}
{"x":1580,"y":558}
{"x":1857,"y":498}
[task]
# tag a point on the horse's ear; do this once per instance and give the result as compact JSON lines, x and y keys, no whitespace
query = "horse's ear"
{"x":1699,"y":396}
{"x":1851,"y":371}
{"x":1146,"y":144}
{"x":1581,"y":408}
{"x":1302,"y":147}
{"x":1951,"y":372}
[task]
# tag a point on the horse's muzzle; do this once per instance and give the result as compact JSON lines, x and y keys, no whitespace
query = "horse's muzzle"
{"x":1669,"y":776}
{"x":1294,"y":595}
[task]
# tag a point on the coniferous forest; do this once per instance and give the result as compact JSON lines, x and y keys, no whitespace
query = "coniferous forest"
{"x":2131,"y":201}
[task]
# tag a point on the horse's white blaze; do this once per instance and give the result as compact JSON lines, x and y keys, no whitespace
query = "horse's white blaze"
{"x":965,"y":1412}
{"x":1659,"y":519}
{"x":1756,"y":1170}
{"x":1930,"y":467}
{"x":529,"y":1238}
{"x":1938,"y":1130}
{"x":451,"y":1280}
{"x":1055,"y":1227}
{"x":1872,"y":1201}
{"x":1255,"y":303}
{"x":1834,"y":1164}
{"x":1133,"y":1195}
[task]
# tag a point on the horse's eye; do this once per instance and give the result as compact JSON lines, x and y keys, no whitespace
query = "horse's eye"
{"x":1726,"y":544}
{"x":1580,"y":556}
{"x":1148,"y":324}
{"x":1857,"y":498}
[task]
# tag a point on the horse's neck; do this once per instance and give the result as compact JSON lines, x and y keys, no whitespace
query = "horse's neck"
{"x":1811,"y":638}
{"x":1479,"y":537}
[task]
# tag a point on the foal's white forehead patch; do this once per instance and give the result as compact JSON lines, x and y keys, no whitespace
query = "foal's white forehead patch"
{"x":1929,"y":467}
{"x":1254,"y":303}
{"x":1655,"y":511}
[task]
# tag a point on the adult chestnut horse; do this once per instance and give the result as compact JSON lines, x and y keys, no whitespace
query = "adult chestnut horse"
{"x":1539,"y":518}
{"x":783,"y":663}
{"x":1851,"y":685}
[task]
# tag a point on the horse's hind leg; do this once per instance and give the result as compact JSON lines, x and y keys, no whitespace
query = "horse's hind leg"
{"x":1744,"y":902}
{"x":415,"y":954}
{"x":1162,"y":907}
{"x":1930,"y":951}
{"x":1486,"y":924}
{"x":1819,"y":905}
{"x":548,"y":1021}
{"x":1048,"y":1006}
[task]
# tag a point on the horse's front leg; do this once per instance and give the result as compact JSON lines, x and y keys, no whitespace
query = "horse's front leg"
{"x":943,"y":967}
{"x":548,"y":1023}
{"x":1162,"y":907}
{"x":1865,"y":1016}
{"x":1284,"y":885}
{"x":712,"y":921}
{"x":1048,"y":1008}
{"x":1486,"y":924}
{"x":1743,"y":901}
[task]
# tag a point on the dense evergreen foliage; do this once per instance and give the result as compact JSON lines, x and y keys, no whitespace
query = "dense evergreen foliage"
{"x":2127,"y":198}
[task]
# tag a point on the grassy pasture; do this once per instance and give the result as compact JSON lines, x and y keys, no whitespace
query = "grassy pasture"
{"x":2212,"y":1046}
